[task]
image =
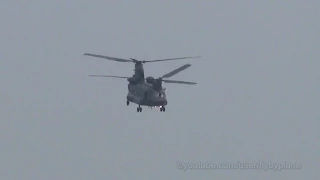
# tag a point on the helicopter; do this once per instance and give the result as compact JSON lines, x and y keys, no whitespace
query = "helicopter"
{"x":146,"y":91}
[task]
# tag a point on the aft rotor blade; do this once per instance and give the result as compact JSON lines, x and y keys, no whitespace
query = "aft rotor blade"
{"x":107,"y":57}
{"x":122,"y":77}
{"x":178,"y":82}
{"x":174,"y":72}
{"x":172,"y":59}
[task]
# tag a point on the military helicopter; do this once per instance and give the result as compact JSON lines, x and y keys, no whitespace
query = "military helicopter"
{"x":146,"y":91}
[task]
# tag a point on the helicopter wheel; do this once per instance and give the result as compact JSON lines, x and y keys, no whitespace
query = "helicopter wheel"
{"x":162,"y":109}
{"x":139,"y":109}
{"x":127,"y":103}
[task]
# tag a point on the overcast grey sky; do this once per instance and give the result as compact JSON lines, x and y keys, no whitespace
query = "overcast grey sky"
{"x":257,"y":97}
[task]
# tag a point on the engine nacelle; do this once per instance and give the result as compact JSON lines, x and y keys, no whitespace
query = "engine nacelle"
{"x":150,"y":80}
{"x":133,"y":80}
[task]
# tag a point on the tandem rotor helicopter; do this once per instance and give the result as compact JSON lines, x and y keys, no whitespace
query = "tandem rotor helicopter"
{"x":146,"y":91}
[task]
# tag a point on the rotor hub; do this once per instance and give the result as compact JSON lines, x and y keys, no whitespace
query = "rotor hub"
{"x":137,"y":61}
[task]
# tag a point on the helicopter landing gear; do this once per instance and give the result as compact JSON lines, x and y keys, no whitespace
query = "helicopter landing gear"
{"x":127,"y":103}
{"x":162,"y":109}
{"x":139,"y":109}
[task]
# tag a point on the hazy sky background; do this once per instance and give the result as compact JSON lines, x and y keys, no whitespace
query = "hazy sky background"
{"x":257,"y":97}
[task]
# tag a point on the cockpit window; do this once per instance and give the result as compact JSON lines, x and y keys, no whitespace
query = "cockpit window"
{"x":161,"y":94}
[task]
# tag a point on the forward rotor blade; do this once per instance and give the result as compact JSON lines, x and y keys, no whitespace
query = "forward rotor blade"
{"x":122,"y":77}
{"x":172,"y":59}
{"x":107,"y":57}
{"x":174,"y":72}
{"x":178,"y":82}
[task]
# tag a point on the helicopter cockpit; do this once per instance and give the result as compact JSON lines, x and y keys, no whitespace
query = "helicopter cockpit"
{"x":162,"y":94}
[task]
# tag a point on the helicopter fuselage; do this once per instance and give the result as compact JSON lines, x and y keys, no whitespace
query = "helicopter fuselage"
{"x":144,"y":94}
